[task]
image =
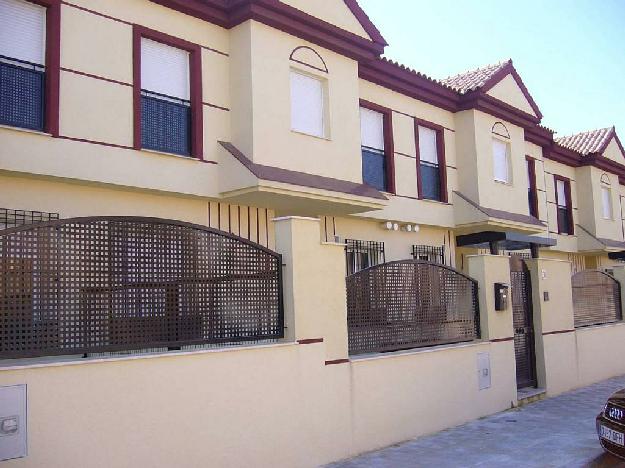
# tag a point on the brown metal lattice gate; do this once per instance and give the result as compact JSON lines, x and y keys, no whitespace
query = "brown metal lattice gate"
{"x":408,"y":304}
{"x":596,"y":298}
{"x":522,"y":319}
{"x":90,"y":285}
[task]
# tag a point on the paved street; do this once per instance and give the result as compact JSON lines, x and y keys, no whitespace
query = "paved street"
{"x":557,"y":432}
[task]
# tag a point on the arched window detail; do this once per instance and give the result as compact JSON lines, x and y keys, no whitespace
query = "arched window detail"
{"x":500,"y":129}
{"x":309,"y":57}
{"x":605,"y":179}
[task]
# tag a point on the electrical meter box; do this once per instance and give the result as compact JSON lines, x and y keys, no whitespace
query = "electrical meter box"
{"x":13,"y":443}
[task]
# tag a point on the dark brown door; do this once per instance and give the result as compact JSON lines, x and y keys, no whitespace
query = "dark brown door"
{"x":523,"y":324}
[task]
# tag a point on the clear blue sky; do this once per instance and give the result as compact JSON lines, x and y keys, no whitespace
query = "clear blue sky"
{"x":569,"y":53}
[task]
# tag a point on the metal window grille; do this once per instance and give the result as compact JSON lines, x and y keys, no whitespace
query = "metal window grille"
{"x":429,"y":253}
{"x":596,"y":298}
{"x":522,"y":255}
{"x":12,"y":218}
{"x":360,"y":254}
{"x":430,"y":181}
{"x":21,"y":94}
{"x":409,"y":304}
{"x":108,"y":284}
{"x":165,"y":123}
{"x":374,"y":168}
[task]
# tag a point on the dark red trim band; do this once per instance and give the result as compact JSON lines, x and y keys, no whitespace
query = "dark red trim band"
{"x":501,"y":340}
{"x":310,"y":341}
{"x":337,"y":361}
{"x":195,"y":71}
{"x":96,"y":77}
{"x":53,"y":64}
{"x":389,"y":146}
{"x":558,"y":332}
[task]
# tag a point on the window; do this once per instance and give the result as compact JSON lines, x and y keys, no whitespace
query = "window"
{"x":361,"y":254}
{"x":167,"y":94}
{"x":431,"y":163}
{"x":376,"y":146}
{"x":532,"y":191}
{"x":307,"y":107}
{"x":501,"y":168}
{"x":429,"y":253}
{"x":165,"y":98}
{"x":606,"y":200}
{"x":564,"y":208}
{"x":22,"y":64}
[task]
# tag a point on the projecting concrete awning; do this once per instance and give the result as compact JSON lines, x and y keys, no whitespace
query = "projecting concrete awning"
{"x":495,"y":240}
{"x":471,"y":217}
{"x":245,"y":182}
{"x":588,"y":243}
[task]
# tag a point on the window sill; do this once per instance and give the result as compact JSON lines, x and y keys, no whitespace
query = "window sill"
{"x":173,"y":155}
{"x":324,"y":138}
{"x":503,"y":182}
{"x":437,"y":202}
{"x":25,"y":130}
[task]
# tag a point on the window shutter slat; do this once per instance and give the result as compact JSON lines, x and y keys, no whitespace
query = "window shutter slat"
{"x":561,"y":190}
{"x":164,"y":69}
{"x":22,"y":31}
{"x":306,"y":104}
{"x":500,"y":161}
{"x":427,"y":145}
{"x":371,"y":129}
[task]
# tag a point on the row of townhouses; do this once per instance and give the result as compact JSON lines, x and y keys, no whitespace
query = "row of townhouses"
{"x":299,"y":159}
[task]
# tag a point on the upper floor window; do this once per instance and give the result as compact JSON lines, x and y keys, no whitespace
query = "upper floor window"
{"x":532,"y":191}
{"x":377,"y":147}
{"x":606,"y":202}
{"x":564,"y":205}
{"x":165,"y":98}
{"x":307,"y":105}
{"x":431,"y":164}
{"x":22,"y":64}
{"x":501,"y":161}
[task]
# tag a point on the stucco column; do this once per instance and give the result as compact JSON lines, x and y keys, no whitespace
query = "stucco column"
{"x":554,"y":331}
{"x":488,"y":270}
{"x":315,"y":303}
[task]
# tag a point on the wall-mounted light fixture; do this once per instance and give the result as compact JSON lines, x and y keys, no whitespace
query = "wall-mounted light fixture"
{"x":390,"y":226}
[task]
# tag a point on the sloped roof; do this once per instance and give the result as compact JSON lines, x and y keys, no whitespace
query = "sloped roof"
{"x":590,"y":142}
{"x":474,"y":79}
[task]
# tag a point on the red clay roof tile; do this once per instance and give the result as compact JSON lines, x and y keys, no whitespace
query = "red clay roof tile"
{"x":593,"y":141}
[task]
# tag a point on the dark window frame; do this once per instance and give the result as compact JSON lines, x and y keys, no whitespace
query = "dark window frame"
{"x":52,"y":65}
{"x":442,"y":160}
{"x":195,"y":85}
{"x":532,"y":189}
{"x":569,"y":203}
{"x":389,"y":147}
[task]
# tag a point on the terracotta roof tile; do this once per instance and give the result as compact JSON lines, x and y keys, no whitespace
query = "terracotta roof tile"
{"x":473,"y":79}
{"x":586,"y":143}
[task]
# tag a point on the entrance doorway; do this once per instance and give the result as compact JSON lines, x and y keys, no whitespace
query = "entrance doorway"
{"x":522,"y":319}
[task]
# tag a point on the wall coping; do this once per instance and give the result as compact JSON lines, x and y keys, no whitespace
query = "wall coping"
{"x":287,"y":218}
{"x":417,"y":351}
{"x":60,"y":361}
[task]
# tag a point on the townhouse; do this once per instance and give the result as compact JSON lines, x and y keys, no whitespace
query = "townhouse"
{"x":230,"y":162}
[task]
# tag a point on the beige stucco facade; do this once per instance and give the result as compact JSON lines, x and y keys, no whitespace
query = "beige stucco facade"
{"x":303,"y":401}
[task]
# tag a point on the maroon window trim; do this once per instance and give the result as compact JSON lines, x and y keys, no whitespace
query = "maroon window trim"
{"x":53,"y":63}
{"x":569,"y":203}
{"x":389,"y":147}
{"x":440,"y":150}
{"x":195,"y":85}
{"x":531,"y":167}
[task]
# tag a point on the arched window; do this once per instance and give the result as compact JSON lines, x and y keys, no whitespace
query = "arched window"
{"x":606,"y":197}
{"x":500,"y":129}
{"x":309,"y":57}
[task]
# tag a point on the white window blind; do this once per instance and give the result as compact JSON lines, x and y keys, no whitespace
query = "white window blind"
{"x":561,"y":191}
{"x":427,"y":145}
{"x":606,"y":196}
{"x":371,"y":129}
{"x":164,"y":69}
{"x":500,"y":161}
{"x":23,"y":31}
{"x":307,"y":104}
